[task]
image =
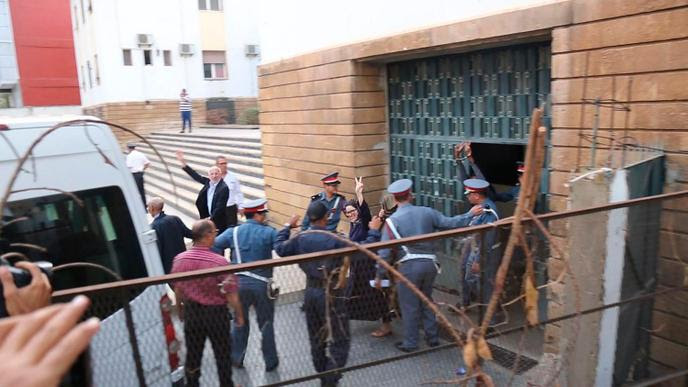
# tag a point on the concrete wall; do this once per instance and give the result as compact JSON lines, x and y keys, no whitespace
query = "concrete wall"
{"x":325,"y":110}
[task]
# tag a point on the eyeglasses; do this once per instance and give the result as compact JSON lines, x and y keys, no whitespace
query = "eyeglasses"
{"x":225,"y":163}
{"x":349,"y":212}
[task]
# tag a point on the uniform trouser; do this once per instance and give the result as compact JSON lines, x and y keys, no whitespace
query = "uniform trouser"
{"x":138,"y":178}
{"x":212,"y":322}
{"x":186,"y":117}
{"x":231,"y":213}
{"x":422,"y":273}
{"x":327,"y":351}
{"x":253,"y":292}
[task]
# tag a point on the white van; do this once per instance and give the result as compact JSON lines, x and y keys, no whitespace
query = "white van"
{"x":111,"y":230}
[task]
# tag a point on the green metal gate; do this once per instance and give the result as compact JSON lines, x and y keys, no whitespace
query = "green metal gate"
{"x":434,"y":103}
{"x":484,"y":96}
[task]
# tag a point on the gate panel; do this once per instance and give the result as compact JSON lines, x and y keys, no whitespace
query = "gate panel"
{"x":434,"y":103}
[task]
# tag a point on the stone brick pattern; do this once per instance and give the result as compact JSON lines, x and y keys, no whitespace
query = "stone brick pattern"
{"x":635,"y":52}
{"x":146,"y":117}
{"x":326,"y":110}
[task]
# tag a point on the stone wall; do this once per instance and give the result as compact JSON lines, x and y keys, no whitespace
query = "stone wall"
{"x":146,"y":117}
{"x":637,"y":53}
{"x":326,"y":110}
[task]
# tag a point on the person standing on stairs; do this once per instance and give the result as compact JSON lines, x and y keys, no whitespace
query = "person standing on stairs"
{"x":185,"y":108}
{"x":212,"y":198}
{"x":137,"y":162}
{"x":235,"y":196}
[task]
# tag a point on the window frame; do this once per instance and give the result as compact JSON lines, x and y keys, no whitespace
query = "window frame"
{"x":167,"y":57}
{"x":150,"y":57}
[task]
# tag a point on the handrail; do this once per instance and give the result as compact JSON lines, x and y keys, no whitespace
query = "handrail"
{"x":296,"y":259}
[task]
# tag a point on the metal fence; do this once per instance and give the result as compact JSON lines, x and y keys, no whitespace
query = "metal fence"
{"x":149,"y":336}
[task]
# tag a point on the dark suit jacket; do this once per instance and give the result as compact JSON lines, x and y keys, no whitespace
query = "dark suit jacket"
{"x":171,"y":232}
{"x":217,"y":214}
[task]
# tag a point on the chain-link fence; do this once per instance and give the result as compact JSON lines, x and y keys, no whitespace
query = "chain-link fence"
{"x":179,"y":329}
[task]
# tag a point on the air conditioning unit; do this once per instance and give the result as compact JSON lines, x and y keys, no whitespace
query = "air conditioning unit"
{"x":186,"y":49}
{"x":252,"y":50}
{"x":144,"y":40}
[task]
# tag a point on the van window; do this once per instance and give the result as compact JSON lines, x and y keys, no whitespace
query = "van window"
{"x":100,"y":232}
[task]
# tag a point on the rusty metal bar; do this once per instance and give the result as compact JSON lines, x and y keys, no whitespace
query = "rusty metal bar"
{"x":373,"y":246}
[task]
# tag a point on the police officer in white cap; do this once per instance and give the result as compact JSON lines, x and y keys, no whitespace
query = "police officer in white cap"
{"x":476,"y":191}
{"x":250,"y":242}
{"x":417,"y":262}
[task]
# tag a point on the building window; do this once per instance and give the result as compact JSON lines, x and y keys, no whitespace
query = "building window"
{"x":210,"y":5}
{"x":126,"y":56}
{"x":90,"y":6}
{"x":6,"y":98}
{"x":214,"y":65}
{"x":83,"y":14}
{"x":95,"y":63}
{"x":167,"y":57}
{"x":83,"y":78}
{"x":147,"y":57}
{"x":90,"y":78}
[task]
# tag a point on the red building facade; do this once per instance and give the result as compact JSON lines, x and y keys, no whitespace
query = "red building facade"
{"x":45,"y":52}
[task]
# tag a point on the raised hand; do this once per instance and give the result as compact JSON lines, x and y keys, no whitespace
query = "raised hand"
{"x":180,"y":157}
{"x":375,"y":223}
{"x":359,"y":188}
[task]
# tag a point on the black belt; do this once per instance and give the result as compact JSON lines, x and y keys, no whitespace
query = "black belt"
{"x":315,"y":283}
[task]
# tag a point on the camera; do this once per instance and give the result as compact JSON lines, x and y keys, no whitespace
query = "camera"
{"x":21,"y":278}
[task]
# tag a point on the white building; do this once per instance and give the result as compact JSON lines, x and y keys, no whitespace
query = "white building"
{"x":133,"y":52}
{"x":10,"y":93}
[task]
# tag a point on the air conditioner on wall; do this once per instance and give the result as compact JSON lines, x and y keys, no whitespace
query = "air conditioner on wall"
{"x":144,"y":40}
{"x":252,"y":50}
{"x":186,"y":49}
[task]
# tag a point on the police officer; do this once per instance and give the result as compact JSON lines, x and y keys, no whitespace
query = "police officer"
{"x":476,"y":194}
{"x":513,"y":192}
{"x":417,"y":262}
{"x":326,"y":354}
{"x":253,"y":241}
{"x":332,"y":199}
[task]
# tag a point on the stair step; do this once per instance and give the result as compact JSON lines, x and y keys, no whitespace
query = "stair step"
{"x":186,"y":198}
{"x":249,"y":136}
{"x":181,"y":178}
{"x":208,"y":149}
{"x":252,"y":164}
{"x":188,"y":188}
{"x":207,"y":140}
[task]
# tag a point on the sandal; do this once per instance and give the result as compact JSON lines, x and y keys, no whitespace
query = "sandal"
{"x":379,"y":333}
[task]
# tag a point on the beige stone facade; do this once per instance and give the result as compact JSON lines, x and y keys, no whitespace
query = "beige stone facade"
{"x":326,"y":111}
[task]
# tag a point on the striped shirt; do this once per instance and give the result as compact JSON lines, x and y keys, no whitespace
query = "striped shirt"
{"x":185,"y":104}
{"x":203,"y":290}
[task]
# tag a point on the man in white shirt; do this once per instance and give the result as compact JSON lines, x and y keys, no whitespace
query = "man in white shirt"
{"x":137,"y":162}
{"x":235,"y":195}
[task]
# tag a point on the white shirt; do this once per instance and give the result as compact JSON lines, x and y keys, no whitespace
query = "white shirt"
{"x":210,"y":194}
{"x":235,"y":195}
{"x":136,"y":161}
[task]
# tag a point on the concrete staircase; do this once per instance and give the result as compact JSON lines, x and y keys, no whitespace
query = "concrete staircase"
{"x":241,"y":147}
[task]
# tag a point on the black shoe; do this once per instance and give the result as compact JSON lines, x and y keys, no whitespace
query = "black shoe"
{"x":270,"y":369}
{"x":400,"y":346}
{"x":181,"y":131}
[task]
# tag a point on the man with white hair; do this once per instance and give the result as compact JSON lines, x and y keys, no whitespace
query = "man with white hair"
{"x":212,"y":198}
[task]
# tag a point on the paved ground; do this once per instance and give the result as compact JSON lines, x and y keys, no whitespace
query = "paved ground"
{"x":295,"y":360}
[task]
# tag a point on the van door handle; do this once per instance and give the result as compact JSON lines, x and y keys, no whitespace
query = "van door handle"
{"x":149,"y":237}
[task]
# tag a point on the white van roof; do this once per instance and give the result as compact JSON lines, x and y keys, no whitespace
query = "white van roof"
{"x":40,"y":121}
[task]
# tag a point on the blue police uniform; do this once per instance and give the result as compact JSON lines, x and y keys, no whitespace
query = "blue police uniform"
{"x":417,"y":262}
{"x":255,"y":242}
{"x":314,"y":299}
{"x":335,"y":205}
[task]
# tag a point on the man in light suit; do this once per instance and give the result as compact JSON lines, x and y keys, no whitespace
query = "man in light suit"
{"x":170,"y":231}
{"x":212,"y":199}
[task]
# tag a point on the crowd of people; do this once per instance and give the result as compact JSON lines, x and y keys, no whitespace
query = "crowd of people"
{"x":337,"y":289}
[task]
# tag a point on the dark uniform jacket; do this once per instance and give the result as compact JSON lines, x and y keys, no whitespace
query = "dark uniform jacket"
{"x":335,"y":207}
{"x":170,"y":231}
{"x":309,"y":243}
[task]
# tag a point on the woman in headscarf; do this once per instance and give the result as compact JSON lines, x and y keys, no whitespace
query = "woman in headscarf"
{"x":365,"y":302}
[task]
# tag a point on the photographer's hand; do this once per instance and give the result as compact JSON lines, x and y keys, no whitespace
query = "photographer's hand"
{"x":36,"y":349}
{"x":28,"y":298}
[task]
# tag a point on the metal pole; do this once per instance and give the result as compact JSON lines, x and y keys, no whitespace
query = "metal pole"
{"x":595,"y":126}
